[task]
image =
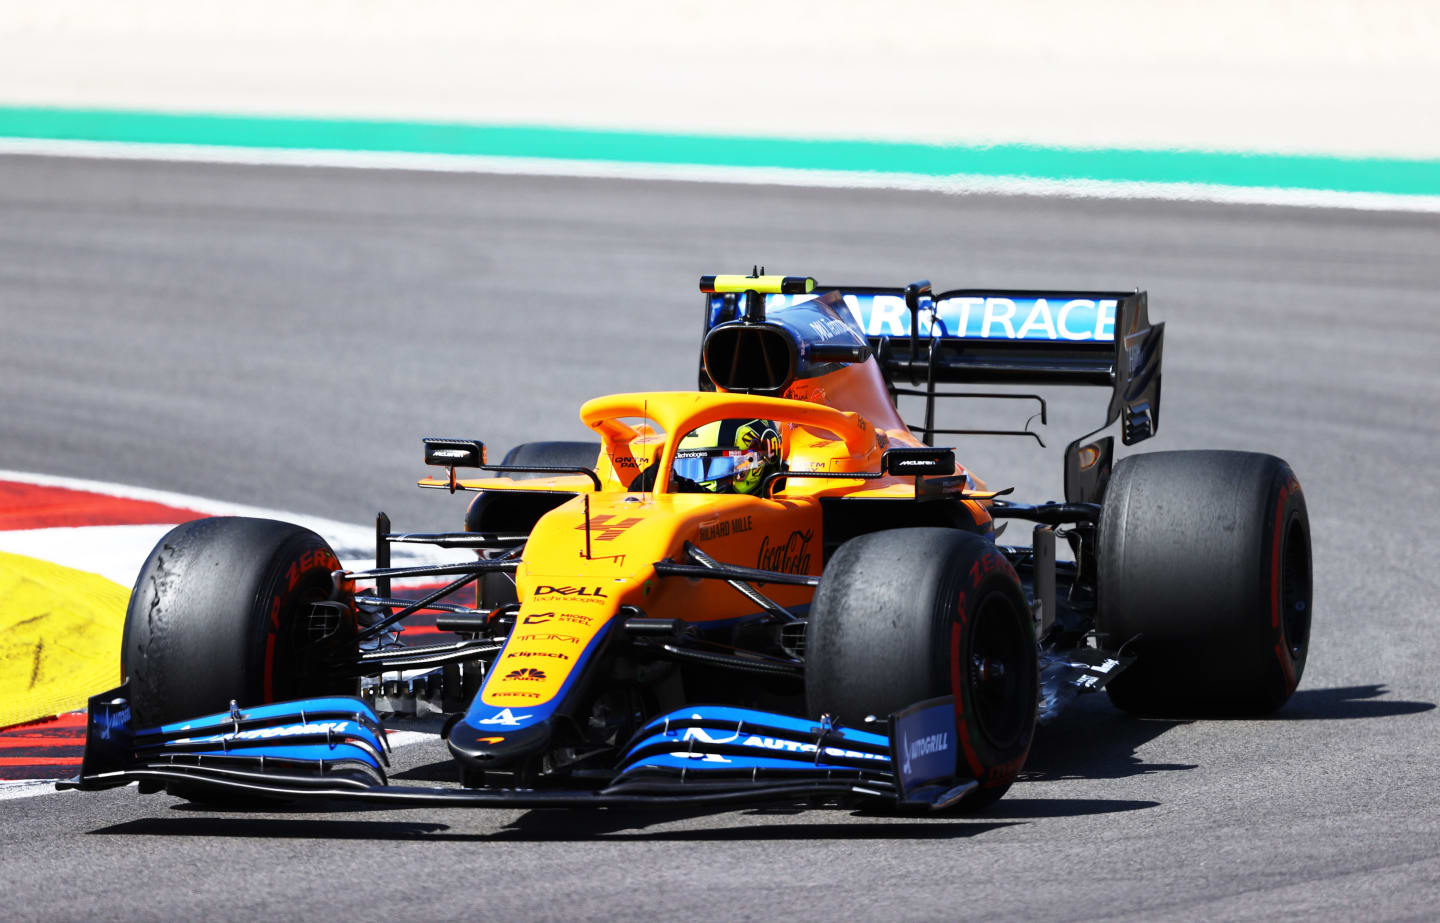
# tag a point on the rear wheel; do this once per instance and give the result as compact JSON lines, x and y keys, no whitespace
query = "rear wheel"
{"x":1204,"y":574}
{"x":912,"y":614}
{"x":221,"y":611}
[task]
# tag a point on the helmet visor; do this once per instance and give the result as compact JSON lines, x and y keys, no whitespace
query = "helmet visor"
{"x":706,"y":466}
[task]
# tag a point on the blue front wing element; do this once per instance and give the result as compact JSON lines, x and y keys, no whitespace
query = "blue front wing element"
{"x":334,"y":740}
{"x":722,"y":738}
{"x":334,"y":748}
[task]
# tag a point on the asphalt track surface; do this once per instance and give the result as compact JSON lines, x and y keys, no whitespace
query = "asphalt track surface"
{"x":283,"y":336}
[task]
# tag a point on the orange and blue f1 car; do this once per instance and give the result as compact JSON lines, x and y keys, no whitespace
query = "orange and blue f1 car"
{"x":768,"y":588}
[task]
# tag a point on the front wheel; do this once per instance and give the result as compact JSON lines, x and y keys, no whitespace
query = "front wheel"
{"x":222,"y":611}
{"x":912,"y":614}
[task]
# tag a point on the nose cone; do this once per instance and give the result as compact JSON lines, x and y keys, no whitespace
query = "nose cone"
{"x":498,"y":742}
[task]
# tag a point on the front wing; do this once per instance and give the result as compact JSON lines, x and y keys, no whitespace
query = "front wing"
{"x":334,"y":749}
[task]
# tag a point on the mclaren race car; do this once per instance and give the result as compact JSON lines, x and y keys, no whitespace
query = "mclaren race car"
{"x":768,"y":588}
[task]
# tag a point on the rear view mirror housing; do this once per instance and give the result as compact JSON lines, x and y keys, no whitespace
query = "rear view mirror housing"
{"x":454,"y":453}
{"x":918,"y":461}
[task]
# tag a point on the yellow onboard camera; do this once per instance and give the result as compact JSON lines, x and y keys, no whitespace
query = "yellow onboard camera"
{"x":764,"y":285}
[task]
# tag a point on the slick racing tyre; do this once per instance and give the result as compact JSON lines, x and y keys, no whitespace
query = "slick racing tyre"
{"x":912,"y":614}
{"x":551,"y":455}
{"x":221,"y":611}
{"x":514,"y":512}
{"x":1204,"y":575}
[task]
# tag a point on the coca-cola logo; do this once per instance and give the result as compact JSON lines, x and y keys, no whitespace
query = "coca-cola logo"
{"x":791,"y":556}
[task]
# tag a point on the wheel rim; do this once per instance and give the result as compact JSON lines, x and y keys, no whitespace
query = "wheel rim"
{"x":298,"y":652}
{"x":1295,"y":591}
{"x":999,"y":671}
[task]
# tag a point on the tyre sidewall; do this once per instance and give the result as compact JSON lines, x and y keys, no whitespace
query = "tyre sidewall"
{"x":988,"y":579}
{"x":297,"y":575}
{"x":1288,"y":523}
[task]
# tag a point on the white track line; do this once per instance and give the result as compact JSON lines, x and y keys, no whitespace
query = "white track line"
{"x":956,"y":184}
{"x":27,"y":788}
{"x":354,"y":545}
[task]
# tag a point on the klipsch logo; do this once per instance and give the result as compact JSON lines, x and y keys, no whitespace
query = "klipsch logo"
{"x":553,"y":655}
{"x":789,"y":557}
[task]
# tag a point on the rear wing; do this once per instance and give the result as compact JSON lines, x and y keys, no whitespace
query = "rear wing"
{"x":1005,"y":337}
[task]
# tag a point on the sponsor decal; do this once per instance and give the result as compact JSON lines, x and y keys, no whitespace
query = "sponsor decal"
{"x":489,"y":740}
{"x":702,"y":757}
{"x":630,"y":462}
{"x":704,"y":737}
{"x":514,"y":695}
{"x":505,"y":717}
{"x":922,"y":747}
{"x":805,"y":390}
{"x":776,"y":743}
{"x":109,"y":721}
{"x":978,"y":316}
{"x":526,"y":673}
{"x":450,"y":453}
{"x":795,"y":746}
{"x":554,"y":655}
{"x":572,"y":618}
{"x":720,"y":528}
{"x":827,"y":327}
{"x":792,"y":556}
{"x":309,"y":560}
{"x":924,"y":741}
{"x":607,"y":527}
{"x":583,"y":594}
{"x":567,"y":639}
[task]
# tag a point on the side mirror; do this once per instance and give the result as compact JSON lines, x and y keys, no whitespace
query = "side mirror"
{"x":454,"y":453}
{"x":917,"y":461}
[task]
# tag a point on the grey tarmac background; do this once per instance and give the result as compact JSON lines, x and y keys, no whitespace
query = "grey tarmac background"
{"x":284,"y":336}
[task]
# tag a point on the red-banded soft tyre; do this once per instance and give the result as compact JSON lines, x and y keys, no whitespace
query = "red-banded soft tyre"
{"x":1204,"y":575}
{"x":911,"y":614}
{"x":222,"y":611}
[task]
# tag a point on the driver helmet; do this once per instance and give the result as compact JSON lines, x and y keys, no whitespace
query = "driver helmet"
{"x":727,"y":456}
